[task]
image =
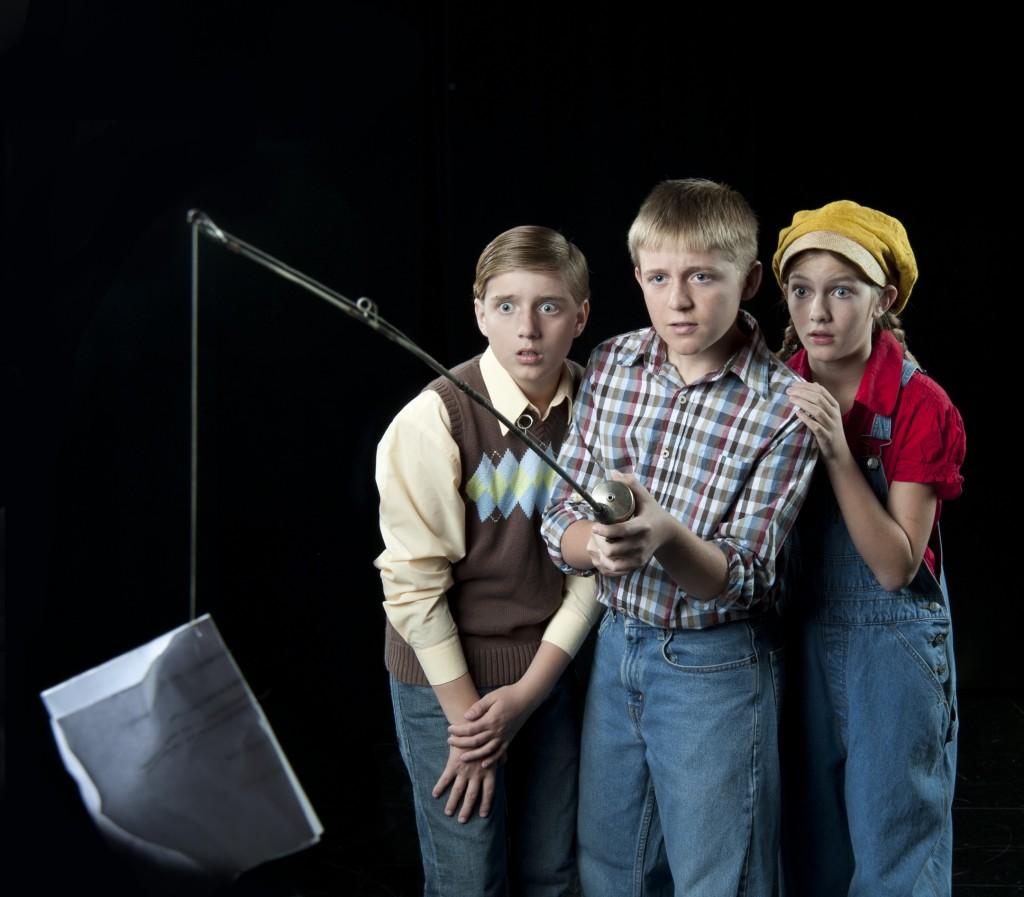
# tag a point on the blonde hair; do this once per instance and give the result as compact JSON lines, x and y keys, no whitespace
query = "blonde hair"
{"x":887,"y":320}
{"x":699,"y":214}
{"x":533,"y":248}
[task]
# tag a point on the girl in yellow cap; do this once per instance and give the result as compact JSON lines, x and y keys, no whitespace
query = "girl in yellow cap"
{"x":869,"y":748}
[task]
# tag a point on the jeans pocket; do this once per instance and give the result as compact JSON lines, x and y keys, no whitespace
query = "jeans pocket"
{"x":606,"y":621}
{"x":926,"y":643}
{"x":714,"y":650}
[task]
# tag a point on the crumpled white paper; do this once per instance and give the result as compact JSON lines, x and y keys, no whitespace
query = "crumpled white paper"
{"x":175,"y":759}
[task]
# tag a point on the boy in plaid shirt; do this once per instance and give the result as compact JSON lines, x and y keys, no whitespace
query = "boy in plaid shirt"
{"x":679,"y":774}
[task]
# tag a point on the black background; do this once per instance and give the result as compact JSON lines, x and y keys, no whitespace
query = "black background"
{"x":378,"y":147}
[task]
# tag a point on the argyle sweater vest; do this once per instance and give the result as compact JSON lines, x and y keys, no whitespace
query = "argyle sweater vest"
{"x":506,"y":588}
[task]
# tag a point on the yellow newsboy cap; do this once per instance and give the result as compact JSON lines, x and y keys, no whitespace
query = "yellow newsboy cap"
{"x":875,"y":242}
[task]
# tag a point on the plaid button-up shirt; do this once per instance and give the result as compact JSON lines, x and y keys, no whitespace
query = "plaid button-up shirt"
{"x":726,"y":455}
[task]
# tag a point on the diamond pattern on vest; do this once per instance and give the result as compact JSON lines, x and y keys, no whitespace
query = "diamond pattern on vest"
{"x":501,"y":488}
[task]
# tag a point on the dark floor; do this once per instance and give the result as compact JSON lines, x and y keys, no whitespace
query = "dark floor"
{"x":375,"y":854}
{"x":988,"y":809}
{"x":988,"y":822}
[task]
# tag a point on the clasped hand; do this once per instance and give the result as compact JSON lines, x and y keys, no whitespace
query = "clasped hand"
{"x":477,"y":746}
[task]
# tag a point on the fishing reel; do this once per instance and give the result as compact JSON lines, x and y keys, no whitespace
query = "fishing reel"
{"x":614,"y":501}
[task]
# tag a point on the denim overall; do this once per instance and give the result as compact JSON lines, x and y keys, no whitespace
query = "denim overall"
{"x":870,"y":722}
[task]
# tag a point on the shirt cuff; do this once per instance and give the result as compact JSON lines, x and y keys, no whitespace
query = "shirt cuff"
{"x":443,"y":662}
{"x":739,"y":586}
{"x":552,"y":529}
{"x":568,"y":628}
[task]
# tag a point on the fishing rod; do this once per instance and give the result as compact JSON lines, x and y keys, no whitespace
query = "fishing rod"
{"x":611,"y":501}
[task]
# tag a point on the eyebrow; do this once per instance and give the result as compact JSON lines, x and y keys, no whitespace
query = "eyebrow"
{"x":693,"y":269}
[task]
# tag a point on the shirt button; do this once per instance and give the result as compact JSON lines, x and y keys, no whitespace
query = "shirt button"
{"x":873,"y":463}
{"x":682,"y":398}
{"x":665,"y":453}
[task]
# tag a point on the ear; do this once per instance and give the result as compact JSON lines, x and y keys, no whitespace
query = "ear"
{"x":582,"y":313}
{"x":637,"y":275}
{"x":752,"y":282}
{"x":478,"y":307}
{"x":887,"y":298}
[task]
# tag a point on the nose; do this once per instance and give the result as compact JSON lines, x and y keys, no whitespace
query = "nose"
{"x":678,"y":297}
{"x":819,"y":310}
{"x":529,"y":324}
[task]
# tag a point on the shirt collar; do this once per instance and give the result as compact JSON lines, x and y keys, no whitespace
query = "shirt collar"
{"x":753,"y":363}
{"x":880,"y":386}
{"x":506,"y":395}
{"x":880,"y":383}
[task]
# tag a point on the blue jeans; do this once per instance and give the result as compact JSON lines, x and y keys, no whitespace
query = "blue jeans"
{"x":679,"y":778}
{"x":869,"y":735}
{"x":525,"y":846}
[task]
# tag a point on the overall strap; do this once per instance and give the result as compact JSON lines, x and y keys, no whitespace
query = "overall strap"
{"x":881,"y":427}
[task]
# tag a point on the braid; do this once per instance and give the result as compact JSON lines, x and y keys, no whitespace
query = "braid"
{"x":790,"y":342}
{"x":889,"y":321}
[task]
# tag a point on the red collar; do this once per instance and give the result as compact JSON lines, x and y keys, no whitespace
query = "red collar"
{"x":880,"y":383}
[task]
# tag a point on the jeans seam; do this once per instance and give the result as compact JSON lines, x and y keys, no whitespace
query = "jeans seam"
{"x":425,"y":830}
{"x":776,"y":659}
{"x":640,"y":861}
{"x":754,"y":753}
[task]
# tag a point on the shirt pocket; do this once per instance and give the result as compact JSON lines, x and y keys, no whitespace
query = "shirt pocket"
{"x":718,"y":489}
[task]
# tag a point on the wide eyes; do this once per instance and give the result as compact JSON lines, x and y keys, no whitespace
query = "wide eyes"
{"x":545,"y":308}
{"x":840,"y":292}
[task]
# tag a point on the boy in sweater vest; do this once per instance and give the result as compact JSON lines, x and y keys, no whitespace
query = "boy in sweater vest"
{"x":481,"y":625}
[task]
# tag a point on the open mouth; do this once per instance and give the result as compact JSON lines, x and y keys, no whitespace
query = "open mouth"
{"x":529,"y":356}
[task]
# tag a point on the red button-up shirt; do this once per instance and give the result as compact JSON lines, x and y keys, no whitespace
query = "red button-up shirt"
{"x":927,"y":444}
